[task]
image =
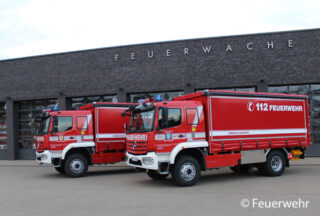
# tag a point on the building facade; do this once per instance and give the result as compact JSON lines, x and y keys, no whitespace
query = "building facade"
{"x":287,"y":62}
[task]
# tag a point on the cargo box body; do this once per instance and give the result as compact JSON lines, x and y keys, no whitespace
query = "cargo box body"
{"x":247,"y":121}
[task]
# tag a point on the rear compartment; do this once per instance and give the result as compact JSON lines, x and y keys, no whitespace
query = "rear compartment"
{"x":242,"y":121}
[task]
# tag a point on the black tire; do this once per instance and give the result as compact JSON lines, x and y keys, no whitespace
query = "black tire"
{"x":156,"y":176}
{"x":76,"y":165}
{"x":60,"y":169}
{"x":186,"y":171}
{"x":275,"y":164}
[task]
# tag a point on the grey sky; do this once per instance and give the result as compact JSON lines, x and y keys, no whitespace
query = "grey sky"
{"x":35,"y":27}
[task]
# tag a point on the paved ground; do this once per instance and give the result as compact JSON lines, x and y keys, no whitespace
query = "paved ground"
{"x":31,"y":190}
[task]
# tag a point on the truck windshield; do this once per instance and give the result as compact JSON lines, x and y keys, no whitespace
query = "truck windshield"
{"x":142,"y":122}
{"x":44,"y":126}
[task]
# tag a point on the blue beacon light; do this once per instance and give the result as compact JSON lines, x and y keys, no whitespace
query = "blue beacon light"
{"x":158,"y":98}
{"x":55,"y":108}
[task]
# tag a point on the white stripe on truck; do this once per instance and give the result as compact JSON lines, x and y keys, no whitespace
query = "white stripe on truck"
{"x":111,"y":135}
{"x":257,"y":132}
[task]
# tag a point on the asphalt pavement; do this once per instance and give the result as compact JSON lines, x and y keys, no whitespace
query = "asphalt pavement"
{"x":28,"y":189}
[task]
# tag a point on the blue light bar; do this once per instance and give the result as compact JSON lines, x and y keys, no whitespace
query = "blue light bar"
{"x":158,"y":98}
{"x":55,"y":108}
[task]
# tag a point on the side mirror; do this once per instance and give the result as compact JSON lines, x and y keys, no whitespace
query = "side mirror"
{"x":124,"y":113}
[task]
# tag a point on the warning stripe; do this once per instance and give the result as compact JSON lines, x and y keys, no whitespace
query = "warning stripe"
{"x":257,"y":132}
{"x":111,"y":135}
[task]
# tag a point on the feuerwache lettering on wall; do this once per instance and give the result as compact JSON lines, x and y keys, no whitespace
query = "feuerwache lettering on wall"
{"x":206,"y":49}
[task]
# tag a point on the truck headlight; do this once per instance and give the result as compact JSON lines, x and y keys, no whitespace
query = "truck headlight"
{"x":147,"y":160}
{"x":44,"y":157}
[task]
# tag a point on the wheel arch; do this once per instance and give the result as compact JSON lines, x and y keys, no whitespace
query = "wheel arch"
{"x":197,"y":153}
{"x":86,"y":152}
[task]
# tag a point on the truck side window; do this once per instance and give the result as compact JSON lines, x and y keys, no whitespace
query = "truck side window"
{"x":169,"y":117}
{"x":192,"y":116}
{"x":174,"y":117}
{"x":64,"y":124}
{"x":82,"y":123}
{"x":161,"y":118}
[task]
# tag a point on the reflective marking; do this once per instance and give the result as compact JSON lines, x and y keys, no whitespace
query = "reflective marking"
{"x":256,"y":132}
{"x":257,"y":138}
{"x":88,"y":137}
{"x":197,"y":117}
{"x":177,"y":136}
{"x":73,"y":138}
{"x":40,"y":138}
{"x":196,"y":135}
{"x":160,"y":137}
{"x":111,"y":135}
{"x":53,"y":138}
{"x":88,"y":122}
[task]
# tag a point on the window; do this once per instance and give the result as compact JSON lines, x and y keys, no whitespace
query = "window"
{"x":248,"y":89}
{"x":192,"y":117}
{"x":82,"y":123}
{"x":28,"y":111}
{"x":169,"y":117}
{"x":75,"y":102}
{"x":62,"y":124}
{"x":174,"y":117}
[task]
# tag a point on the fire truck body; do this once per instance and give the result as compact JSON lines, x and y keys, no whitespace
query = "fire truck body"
{"x":213,"y":129}
{"x":72,"y":140}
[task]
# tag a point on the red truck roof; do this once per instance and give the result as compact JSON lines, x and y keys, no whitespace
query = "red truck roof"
{"x":240,"y":93}
{"x":106,"y":104}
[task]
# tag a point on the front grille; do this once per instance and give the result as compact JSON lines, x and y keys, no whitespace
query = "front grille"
{"x":140,"y":147}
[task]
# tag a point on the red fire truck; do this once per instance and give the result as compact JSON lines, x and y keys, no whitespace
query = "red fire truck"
{"x":72,"y":140}
{"x":212,"y":129}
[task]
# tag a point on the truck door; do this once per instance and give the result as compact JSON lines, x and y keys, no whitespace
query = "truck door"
{"x":62,"y":132}
{"x":170,"y":128}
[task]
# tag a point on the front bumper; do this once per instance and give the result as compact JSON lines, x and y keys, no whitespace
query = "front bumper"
{"x":149,"y":161}
{"x":44,"y":157}
{"x":47,"y":156}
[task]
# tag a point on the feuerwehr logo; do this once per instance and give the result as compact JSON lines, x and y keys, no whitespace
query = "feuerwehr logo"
{"x":250,"y":106}
{"x":134,"y":145}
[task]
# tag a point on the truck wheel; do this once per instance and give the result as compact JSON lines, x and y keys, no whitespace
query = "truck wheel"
{"x":186,"y":171}
{"x":156,"y":176}
{"x":60,"y":169}
{"x":275,"y":164}
{"x":76,"y":165}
